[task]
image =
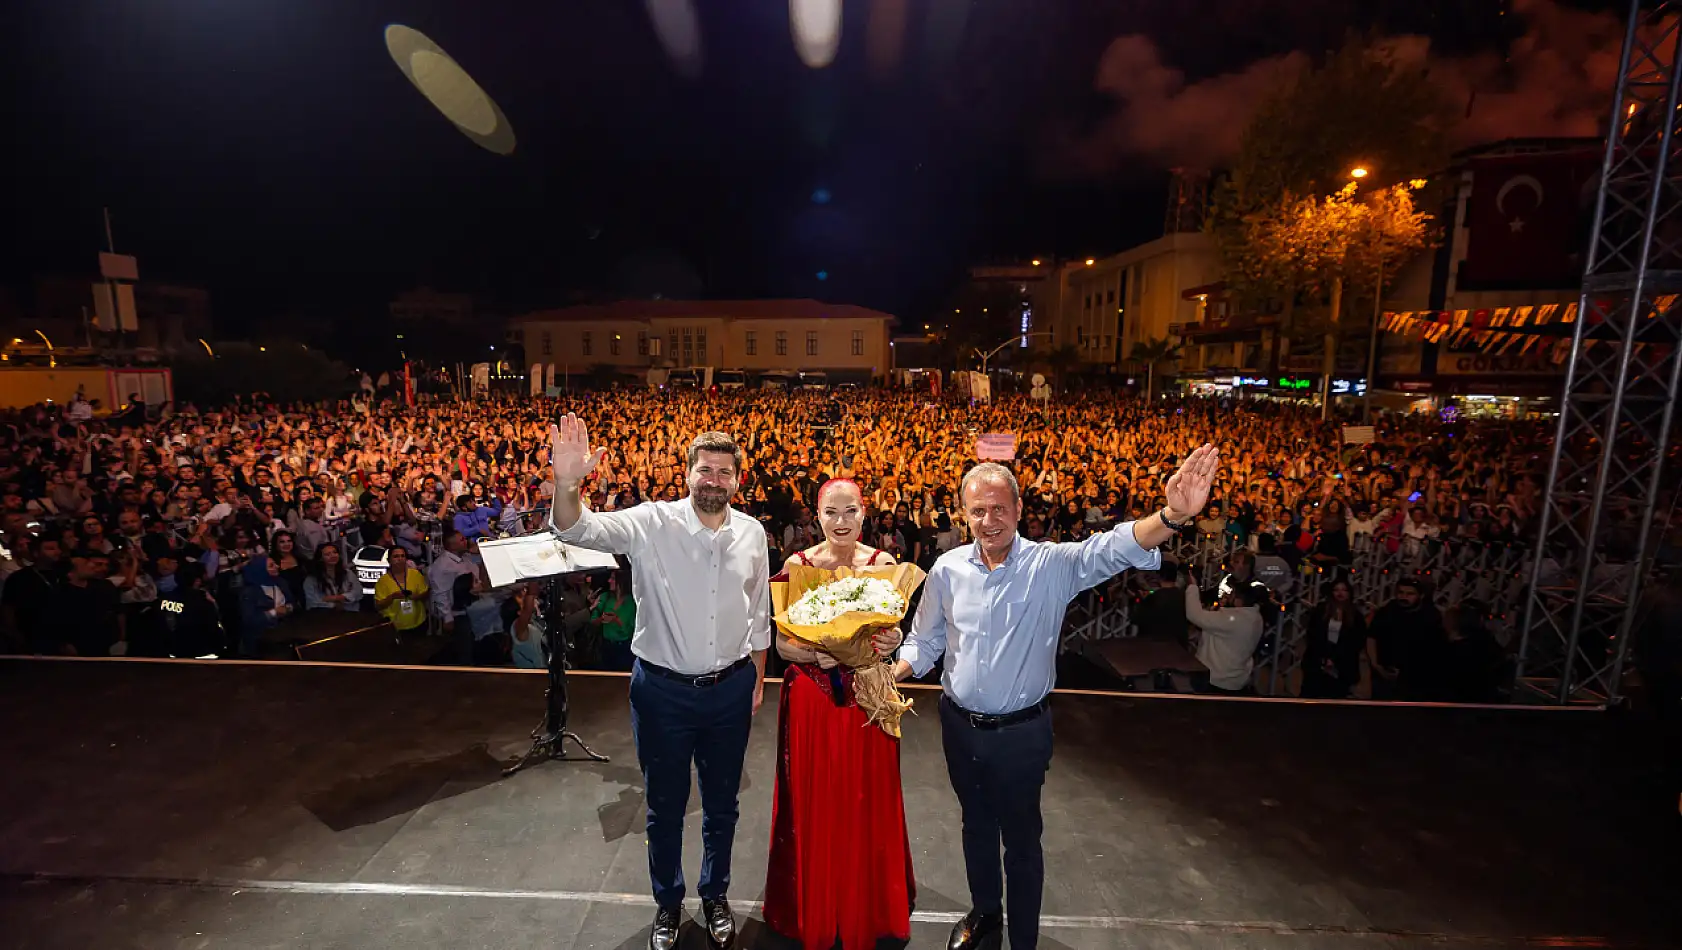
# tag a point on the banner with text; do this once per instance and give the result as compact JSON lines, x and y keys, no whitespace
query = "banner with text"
{"x":996,"y":446}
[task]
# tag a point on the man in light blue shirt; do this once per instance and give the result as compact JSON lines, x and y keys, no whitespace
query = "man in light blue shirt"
{"x":995,"y":609}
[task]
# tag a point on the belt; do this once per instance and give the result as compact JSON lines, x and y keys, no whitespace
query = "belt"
{"x":985,"y":721}
{"x":701,"y":681}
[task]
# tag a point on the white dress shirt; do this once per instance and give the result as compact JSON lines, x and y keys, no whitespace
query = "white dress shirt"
{"x":441,"y":577}
{"x":703,"y":597}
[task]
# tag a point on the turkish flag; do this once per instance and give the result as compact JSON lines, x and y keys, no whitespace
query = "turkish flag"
{"x":1527,"y":220}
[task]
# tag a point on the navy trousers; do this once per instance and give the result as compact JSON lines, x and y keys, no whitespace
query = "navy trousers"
{"x":675,"y":724}
{"x":998,"y":774}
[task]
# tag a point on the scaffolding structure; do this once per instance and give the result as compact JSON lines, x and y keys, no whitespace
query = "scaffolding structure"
{"x":1615,"y":416}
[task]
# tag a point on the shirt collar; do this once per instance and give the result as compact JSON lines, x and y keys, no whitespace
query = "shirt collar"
{"x":692,"y":518}
{"x":975,"y":552}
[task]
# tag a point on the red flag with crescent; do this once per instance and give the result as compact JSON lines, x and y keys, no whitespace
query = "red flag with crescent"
{"x":1526,"y":219}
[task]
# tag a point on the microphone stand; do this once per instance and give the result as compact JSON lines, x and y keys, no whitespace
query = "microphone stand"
{"x":550,"y":736}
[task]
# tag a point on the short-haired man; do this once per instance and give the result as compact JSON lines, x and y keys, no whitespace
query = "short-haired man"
{"x":701,"y":579}
{"x":995,"y":609}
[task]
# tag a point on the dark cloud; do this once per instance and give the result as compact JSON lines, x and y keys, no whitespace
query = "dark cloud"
{"x":1553,"y":80}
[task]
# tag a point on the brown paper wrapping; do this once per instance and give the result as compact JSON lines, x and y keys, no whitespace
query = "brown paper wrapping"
{"x":847,"y":637}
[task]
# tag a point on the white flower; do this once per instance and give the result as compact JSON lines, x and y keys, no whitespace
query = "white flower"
{"x":869,"y":595}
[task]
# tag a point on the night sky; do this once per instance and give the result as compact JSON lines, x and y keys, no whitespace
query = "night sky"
{"x":272,"y":151}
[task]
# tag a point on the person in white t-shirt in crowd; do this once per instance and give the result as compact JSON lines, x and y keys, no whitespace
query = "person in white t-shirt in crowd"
{"x":1227,"y":636}
{"x":1417,"y":529}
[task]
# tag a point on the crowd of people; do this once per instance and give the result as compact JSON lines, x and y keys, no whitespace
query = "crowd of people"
{"x":129,"y":533}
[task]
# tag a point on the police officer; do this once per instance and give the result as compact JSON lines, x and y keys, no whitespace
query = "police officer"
{"x":192,"y":624}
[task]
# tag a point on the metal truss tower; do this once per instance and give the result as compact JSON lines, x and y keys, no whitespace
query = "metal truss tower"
{"x":1615,"y":416}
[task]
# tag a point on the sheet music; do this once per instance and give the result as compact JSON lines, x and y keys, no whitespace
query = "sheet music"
{"x":511,"y":560}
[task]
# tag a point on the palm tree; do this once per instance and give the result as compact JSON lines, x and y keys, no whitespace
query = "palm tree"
{"x":1150,"y":353}
{"x":1062,"y":361}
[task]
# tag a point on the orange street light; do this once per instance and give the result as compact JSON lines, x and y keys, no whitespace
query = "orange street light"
{"x":1358,"y":172}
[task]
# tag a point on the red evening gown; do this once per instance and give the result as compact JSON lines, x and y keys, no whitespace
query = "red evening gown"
{"x":840,"y":865}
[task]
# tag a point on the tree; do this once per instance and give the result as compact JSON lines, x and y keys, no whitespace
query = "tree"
{"x":286,"y":371}
{"x":1284,"y":243}
{"x":1062,"y":362}
{"x":1150,"y":353}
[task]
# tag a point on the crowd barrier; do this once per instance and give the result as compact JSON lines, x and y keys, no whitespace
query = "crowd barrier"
{"x":1492,"y":575}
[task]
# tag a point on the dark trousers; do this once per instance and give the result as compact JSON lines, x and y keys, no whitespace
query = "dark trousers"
{"x":674,"y":724}
{"x":998,"y":774}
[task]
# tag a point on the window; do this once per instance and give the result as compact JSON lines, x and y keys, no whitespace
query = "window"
{"x":811,"y":343}
{"x":753,"y":343}
{"x":613,"y":345}
{"x":782,"y":342}
{"x":701,"y":346}
{"x":688,"y":347}
{"x":671,"y":344}
{"x":548,"y":343}
{"x":642,"y":342}
{"x":586,"y":342}
{"x":1089,"y":301}
{"x":858,"y":342}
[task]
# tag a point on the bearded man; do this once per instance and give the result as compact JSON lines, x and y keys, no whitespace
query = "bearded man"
{"x":702,"y":581}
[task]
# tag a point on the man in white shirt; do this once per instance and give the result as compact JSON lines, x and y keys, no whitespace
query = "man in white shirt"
{"x":701,"y":578}
{"x":1227,"y":636}
{"x":452,"y":563}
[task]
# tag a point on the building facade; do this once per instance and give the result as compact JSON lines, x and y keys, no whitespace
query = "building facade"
{"x":1103,"y":306}
{"x":845,"y":341}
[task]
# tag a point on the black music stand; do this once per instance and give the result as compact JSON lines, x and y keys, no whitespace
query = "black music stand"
{"x":550,"y":737}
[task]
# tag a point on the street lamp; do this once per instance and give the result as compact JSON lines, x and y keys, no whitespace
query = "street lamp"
{"x":1017,"y":339}
{"x":52,"y":361}
{"x":1358,"y":172}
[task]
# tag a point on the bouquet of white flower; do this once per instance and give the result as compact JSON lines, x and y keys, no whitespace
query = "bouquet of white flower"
{"x":838,"y":611}
{"x":868,"y":595}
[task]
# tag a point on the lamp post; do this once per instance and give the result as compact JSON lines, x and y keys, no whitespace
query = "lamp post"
{"x":1328,"y":363}
{"x":1018,"y":338}
{"x":1372,"y":341}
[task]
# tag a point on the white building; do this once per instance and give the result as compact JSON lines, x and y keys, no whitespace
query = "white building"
{"x":845,"y":341}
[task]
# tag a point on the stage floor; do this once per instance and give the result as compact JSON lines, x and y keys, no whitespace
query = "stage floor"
{"x":287,"y":805}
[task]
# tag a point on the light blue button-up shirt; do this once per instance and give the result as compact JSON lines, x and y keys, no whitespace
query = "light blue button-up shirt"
{"x":999,"y":629}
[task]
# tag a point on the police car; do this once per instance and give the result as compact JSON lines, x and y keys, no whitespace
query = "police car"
{"x":370,"y":563}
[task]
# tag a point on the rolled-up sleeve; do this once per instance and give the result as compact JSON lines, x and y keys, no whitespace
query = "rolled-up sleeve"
{"x":759,"y":603}
{"x":1103,"y":556}
{"x":928,"y":629}
{"x":611,"y":532}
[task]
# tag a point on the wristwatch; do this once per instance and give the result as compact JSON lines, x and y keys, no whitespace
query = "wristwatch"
{"x":1172,"y":525}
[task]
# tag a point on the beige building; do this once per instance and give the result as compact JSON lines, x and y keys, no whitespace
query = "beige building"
{"x":1105,"y":305}
{"x":845,"y":341}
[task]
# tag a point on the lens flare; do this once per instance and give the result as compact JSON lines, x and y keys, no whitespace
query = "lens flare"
{"x":679,"y":30}
{"x":449,"y":88}
{"x":817,"y":30}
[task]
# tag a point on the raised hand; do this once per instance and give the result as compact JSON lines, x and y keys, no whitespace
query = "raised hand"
{"x":1188,"y":489}
{"x":570,"y":453}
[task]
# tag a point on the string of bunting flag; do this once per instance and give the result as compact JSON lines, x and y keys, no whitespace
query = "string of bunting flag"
{"x":1499,"y":330}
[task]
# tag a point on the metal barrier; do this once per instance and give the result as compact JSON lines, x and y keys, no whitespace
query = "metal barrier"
{"x":1491,"y":574}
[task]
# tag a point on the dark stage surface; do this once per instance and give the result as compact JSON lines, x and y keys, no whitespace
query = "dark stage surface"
{"x":225,"y":805}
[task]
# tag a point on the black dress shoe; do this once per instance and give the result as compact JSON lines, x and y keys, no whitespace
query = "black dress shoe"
{"x":977,"y":931}
{"x":664,"y":934}
{"x":720,"y":922}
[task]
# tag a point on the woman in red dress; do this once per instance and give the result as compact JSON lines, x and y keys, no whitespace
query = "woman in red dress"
{"x":840,"y":868}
